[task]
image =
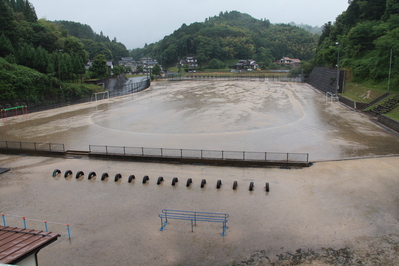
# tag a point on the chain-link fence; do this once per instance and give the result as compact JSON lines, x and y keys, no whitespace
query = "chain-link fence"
{"x":200,"y":154}
{"x":119,"y":90}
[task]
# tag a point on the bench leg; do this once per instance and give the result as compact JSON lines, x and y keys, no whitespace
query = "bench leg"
{"x":163,"y":226}
{"x":224,"y":229}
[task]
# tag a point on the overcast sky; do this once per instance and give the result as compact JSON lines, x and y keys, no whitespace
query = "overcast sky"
{"x":135,"y":23}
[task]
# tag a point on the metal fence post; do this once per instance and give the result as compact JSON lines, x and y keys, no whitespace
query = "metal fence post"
{"x":265,"y":156}
{"x":24,"y":222}
{"x":222,"y":155}
{"x":124,"y":151}
{"x":69,"y":231}
{"x":106,"y":150}
{"x":287,"y":157}
{"x":142,"y":151}
{"x":201,"y":154}
{"x":34,"y":145}
{"x":243,"y":155}
{"x":181,"y":153}
{"x":161,"y":153}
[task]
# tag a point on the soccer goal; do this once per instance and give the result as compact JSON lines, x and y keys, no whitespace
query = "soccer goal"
{"x":100,"y":96}
{"x":331,"y":97}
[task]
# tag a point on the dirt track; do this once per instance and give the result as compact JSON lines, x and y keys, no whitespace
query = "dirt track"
{"x":333,"y":212}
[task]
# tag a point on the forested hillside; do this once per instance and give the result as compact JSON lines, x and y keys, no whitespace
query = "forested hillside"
{"x":42,"y":59}
{"x":365,"y":35}
{"x":94,"y":43}
{"x":233,"y":35}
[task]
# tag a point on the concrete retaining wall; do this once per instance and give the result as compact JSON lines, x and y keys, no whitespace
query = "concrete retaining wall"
{"x":389,"y":122}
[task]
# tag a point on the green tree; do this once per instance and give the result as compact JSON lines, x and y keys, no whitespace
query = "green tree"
{"x":216,"y":64}
{"x":156,"y":70}
{"x":5,"y":46}
{"x":41,"y":60}
{"x":99,"y":67}
{"x":8,"y":24}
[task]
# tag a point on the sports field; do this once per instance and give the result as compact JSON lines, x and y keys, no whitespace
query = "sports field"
{"x":332,"y":212}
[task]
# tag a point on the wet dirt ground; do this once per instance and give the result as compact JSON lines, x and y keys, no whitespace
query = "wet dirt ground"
{"x":334,"y":212}
{"x":220,"y":115}
{"x":331,"y":212}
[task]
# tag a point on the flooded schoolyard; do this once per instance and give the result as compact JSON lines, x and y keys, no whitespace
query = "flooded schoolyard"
{"x":213,"y":115}
{"x":349,"y":205}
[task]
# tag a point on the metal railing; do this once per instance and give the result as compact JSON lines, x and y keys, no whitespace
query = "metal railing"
{"x":200,"y":154}
{"x":34,"y":146}
{"x":260,"y":78}
{"x":193,"y":216}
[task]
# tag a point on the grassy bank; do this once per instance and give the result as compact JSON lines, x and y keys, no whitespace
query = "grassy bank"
{"x":363,"y":92}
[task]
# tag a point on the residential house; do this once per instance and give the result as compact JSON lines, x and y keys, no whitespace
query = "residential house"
{"x":148,"y":63}
{"x":109,"y":63}
{"x":128,"y":62}
{"x":246,"y":64}
{"x":189,"y":64}
{"x":289,"y":62}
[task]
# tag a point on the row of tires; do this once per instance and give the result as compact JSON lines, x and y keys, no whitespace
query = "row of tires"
{"x":146,"y":179}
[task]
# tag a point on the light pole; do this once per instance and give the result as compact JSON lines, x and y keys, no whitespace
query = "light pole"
{"x":337,"y":89}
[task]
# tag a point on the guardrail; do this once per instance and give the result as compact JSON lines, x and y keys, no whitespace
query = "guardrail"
{"x":200,"y":154}
{"x":34,"y":146}
{"x":193,"y":216}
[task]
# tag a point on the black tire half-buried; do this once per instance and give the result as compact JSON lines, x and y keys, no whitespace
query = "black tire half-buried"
{"x":56,"y":172}
{"x":67,"y":173}
{"x":91,"y":175}
{"x":104,"y":176}
{"x":131,"y":178}
{"x":79,"y":174}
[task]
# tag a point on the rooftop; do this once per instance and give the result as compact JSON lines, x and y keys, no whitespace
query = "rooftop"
{"x":18,"y":243}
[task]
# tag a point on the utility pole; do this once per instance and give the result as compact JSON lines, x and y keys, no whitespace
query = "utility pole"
{"x":337,"y":89}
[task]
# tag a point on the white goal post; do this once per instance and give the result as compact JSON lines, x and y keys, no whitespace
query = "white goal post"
{"x":100,"y":96}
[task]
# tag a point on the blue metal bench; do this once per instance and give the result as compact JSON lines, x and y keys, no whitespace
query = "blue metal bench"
{"x":193,"y":217}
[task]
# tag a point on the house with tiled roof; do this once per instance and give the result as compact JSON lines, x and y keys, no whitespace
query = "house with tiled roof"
{"x":289,"y":62}
{"x":128,"y":62}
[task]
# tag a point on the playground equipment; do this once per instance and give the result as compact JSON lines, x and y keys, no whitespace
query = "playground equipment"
{"x":14,"y":111}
